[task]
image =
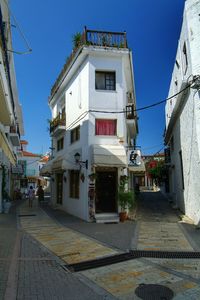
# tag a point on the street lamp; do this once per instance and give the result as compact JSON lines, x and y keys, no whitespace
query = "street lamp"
{"x":80,"y":162}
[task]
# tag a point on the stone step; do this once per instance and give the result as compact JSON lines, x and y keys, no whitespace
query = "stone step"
{"x":107,"y":218}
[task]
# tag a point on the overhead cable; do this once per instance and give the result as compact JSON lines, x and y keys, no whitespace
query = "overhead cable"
{"x":21,"y":33}
{"x":84,"y":114}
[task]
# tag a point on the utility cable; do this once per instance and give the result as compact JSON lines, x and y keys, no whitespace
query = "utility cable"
{"x":163,"y":101}
{"x":123,"y":111}
{"x":21,"y":33}
{"x":145,"y":107}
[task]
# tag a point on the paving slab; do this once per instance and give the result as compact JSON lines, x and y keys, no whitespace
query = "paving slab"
{"x":157,"y":231}
{"x":67,"y":244}
{"x":122,"y":279}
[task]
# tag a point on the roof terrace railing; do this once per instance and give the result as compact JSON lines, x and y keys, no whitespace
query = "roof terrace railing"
{"x":106,"y":38}
{"x":93,"y":38}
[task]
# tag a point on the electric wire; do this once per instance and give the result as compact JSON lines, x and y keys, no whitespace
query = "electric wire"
{"x":20,"y":32}
{"x":83,"y":115}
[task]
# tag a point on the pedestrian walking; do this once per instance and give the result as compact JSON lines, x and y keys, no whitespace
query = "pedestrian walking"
{"x":31,"y":196}
{"x":40,"y":194}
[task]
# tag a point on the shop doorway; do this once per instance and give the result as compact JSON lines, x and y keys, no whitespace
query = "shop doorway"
{"x":106,"y":191}
{"x":59,"y":188}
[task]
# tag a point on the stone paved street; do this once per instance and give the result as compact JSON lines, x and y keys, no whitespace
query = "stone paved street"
{"x":51,"y":238}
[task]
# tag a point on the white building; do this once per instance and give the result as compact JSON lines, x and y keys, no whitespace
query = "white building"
{"x":183,"y":117}
{"x":92,"y":104}
{"x":11,"y":125}
{"x":30,"y":163}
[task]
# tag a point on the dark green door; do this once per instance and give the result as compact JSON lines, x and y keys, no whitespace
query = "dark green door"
{"x":106,"y":192}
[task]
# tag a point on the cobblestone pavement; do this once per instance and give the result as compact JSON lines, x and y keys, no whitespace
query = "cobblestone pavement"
{"x":157,"y":228}
{"x":8,"y":233}
{"x":42,"y":277}
{"x":49,"y":241}
{"x":67,"y":244}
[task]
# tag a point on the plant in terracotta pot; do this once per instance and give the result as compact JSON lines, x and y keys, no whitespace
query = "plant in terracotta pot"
{"x":126,"y":198}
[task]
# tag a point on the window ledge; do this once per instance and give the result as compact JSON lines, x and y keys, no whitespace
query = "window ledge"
{"x":107,"y":91}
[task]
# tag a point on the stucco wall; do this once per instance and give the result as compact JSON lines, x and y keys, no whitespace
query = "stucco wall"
{"x":186,"y":129}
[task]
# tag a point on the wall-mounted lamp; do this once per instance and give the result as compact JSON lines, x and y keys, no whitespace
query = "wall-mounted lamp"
{"x":80,"y":162}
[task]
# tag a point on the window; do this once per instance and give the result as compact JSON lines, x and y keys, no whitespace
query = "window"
{"x":74,"y":184}
{"x":172,"y":143}
{"x":177,"y":64}
{"x":105,"y":80}
{"x":181,"y":163}
{"x":185,"y":59}
{"x":75,"y":134}
{"x":105,"y":127}
{"x":60,"y":144}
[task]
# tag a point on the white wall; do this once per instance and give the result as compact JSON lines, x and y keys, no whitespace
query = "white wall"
{"x":186,"y":130}
{"x":107,"y":100}
{"x":80,"y":96}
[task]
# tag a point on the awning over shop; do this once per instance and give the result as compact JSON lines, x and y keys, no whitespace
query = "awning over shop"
{"x":46,"y":169}
{"x":7,"y":149}
{"x":57,"y":164}
{"x":109,"y":155}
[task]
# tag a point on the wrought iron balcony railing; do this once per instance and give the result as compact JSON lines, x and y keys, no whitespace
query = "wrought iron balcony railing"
{"x":59,"y":120}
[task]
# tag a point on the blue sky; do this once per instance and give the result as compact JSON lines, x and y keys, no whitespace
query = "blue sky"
{"x":152,"y":27}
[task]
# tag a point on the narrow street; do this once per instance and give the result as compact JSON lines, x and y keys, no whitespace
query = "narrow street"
{"x":51,"y":239}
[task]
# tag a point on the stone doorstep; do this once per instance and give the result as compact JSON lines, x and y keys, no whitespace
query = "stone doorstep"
{"x":107,"y":218}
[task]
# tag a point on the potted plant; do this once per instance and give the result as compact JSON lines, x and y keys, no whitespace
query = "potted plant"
{"x":77,"y":40}
{"x":126,"y":202}
{"x":126,"y":198}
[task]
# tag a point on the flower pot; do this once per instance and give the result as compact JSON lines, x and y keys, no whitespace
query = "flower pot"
{"x":122,"y":216}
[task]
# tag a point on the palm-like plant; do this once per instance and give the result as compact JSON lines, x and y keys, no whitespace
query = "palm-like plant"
{"x":77,"y":39}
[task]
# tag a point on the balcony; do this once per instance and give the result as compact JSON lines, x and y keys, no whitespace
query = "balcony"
{"x":14,"y":135}
{"x":58,"y":124}
{"x":131,"y":120}
{"x":93,"y":38}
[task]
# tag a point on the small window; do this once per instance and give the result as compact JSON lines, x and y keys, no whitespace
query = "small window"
{"x":74,"y":184}
{"x":60,"y":144}
{"x":105,"y":127}
{"x":75,"y":134}
{"x":185,"y":59}
{"x":181,"y":163}
{"x":177,"y":64}
{"x":105,"y":80}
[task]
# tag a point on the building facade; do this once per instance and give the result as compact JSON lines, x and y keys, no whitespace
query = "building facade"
{"x":11,"y":123}
{"x":93,"y":123}
{"x":29,"y":164}
{"x":182,"y":134}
